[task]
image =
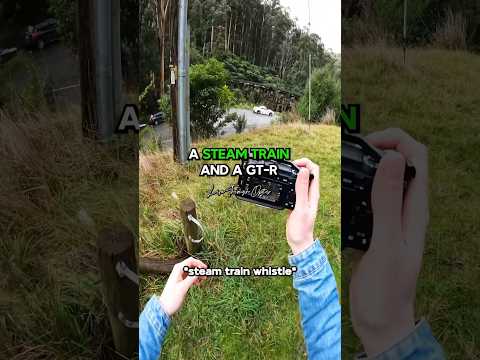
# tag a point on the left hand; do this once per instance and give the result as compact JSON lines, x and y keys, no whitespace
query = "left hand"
{"x":178,"y":284}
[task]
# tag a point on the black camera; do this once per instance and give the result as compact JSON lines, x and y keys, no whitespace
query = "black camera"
{"x":265,"y":188}
{"x":359,"y":166}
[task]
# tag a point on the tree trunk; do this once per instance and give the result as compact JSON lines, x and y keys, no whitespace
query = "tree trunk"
{"x":211,"y":39}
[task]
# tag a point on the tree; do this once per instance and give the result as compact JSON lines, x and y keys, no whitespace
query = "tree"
{"x":326,"y":92}
{"x":210,"y":97}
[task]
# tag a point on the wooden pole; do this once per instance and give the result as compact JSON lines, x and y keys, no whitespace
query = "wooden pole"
{"x":86,"y":51}
{"x":116,"y":247}
{"x":151,"y":265}
{"x":191,"y":231}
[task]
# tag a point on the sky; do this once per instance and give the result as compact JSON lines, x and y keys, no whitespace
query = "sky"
{"x":326,"y":19}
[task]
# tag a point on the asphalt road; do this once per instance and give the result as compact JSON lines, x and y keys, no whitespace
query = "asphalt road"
{"x":254,"y":121}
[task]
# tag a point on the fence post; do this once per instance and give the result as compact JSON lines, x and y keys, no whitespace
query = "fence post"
{"x":118,"y":270}
{"x":192,"y":230}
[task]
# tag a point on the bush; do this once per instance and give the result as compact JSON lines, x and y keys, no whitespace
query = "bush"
{"x":209,"y":98}
{"x":147,"y":100}
{"x":164,"y":106}
{"x":325,"y":93}
{"x":239,"y":122}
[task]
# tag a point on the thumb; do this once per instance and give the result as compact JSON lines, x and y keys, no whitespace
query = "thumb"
{"x":387,"y":200}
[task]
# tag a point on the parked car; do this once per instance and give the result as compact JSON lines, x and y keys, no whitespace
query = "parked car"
{"x":156,"y":119}
{"x":7,"y":54}
{"x":42,"y":34}
{"x":262,"y":110}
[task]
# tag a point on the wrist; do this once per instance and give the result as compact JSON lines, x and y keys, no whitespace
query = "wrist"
{"x":298,"y":246}
{"x":164,"y":304}
{"x":378,"y":339}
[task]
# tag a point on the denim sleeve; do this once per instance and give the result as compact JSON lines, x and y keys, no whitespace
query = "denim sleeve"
{"x":420,"y":344}
{"x":319,"y":303}
{"x":154,"y":323}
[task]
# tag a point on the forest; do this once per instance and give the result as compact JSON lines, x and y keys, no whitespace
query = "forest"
{"x":255,"y":40}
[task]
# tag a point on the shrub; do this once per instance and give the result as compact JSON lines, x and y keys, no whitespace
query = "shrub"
{"x":147,"y":99}
{"x":164,"y":106}
{"x":239,"y":122}
{"x":325,"y":93}
{"x":209,"y":98}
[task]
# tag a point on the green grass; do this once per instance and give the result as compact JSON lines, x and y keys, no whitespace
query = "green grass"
{"x":435,"y":99}
{"x":236,"y":318}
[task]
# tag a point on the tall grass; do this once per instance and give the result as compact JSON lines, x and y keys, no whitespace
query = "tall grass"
{"x":50,"y":303}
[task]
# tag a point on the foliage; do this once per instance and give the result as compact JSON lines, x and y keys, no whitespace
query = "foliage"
{"x":65,"y":11}
{"x":147,"y":99}
{"x":22,"y":85}
{"x":262,"y":311}
{"x":165,"y":107}
{"x":452,"y":34}
{"x":326,"y":93}
{"x":369,"y":21}
{"x":239,"y":121}
{"x":209,"y":97}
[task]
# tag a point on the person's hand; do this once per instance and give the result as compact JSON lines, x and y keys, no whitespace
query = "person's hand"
{"x":177,"y":285}
{"x":383,"y":285}
{"x":301,"y":220}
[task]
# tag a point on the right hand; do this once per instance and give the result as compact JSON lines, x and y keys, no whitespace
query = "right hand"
{"x":383,"y":285}
{"x":178,"y":284}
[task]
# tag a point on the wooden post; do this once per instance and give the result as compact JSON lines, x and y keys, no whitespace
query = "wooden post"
{"x":151,"y":265}
{"x":86,"y":50}
{"x":116,"y":248}
{"x":192,"y":233}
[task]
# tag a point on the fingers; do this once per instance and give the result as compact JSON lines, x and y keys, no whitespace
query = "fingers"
{"x":415,"y":209}
{"x":314,"y":186}
{"x":397,"y":139}
{"x":301,"y":188}
{"x":387,"y":200}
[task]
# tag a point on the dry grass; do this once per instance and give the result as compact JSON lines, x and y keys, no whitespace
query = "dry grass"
{"x":50,"y":303}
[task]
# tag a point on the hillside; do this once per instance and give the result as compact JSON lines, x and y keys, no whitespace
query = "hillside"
{"x":435,"y":99}
{"x":255,"y":317}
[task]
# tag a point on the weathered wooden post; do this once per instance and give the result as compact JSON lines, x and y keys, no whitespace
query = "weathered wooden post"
{"x":192,"y":229}
{"x":151,"y":265}
{"x":118,"y":270}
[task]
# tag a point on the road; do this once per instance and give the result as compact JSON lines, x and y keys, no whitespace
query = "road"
{"x":254,"y":121}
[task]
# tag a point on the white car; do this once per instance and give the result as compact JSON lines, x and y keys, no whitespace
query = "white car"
{"x":262,"y":110}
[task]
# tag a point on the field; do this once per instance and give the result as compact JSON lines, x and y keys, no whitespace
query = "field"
{"x":435,"y":99}
{"x":236,"y":318}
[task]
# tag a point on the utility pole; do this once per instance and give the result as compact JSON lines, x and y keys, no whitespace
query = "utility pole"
{"x":183,"y":119}
{"x":309,"y":71}
{"x":100,"y":66}
{"x":405,"y":9}
{"x":173,"y":26}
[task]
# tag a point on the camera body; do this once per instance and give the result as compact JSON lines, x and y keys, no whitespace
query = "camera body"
{"x":267,"y":189}
{"x":359,"y":166}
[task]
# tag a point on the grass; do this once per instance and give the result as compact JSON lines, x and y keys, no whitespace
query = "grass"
{"x":435,"y":99}
{"x":236,"y":318}
{"x":50,"y":301}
